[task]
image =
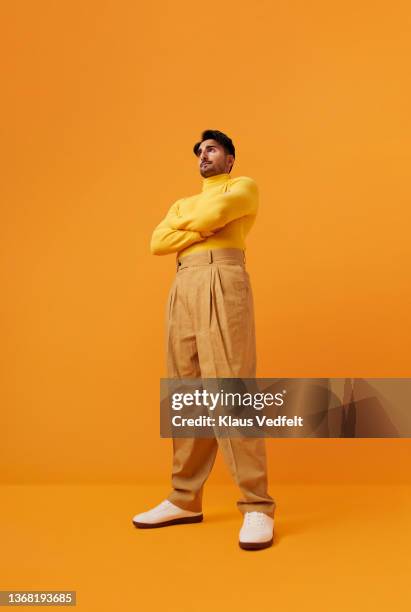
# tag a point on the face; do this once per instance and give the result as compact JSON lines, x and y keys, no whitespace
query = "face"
{"x":213,"y":159}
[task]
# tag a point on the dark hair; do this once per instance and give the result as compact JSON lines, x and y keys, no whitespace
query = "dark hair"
{"x":221,"y":138}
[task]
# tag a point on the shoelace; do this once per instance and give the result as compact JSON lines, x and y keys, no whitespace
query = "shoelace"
{"x":164,"y":504}
{"x":255,"y":518}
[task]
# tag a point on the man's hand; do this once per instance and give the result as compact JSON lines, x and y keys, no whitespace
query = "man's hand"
{"x":209,"y":233}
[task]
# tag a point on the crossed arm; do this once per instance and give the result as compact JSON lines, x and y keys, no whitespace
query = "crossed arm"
{"x":165,"y":239}
{"x":177,"y":230}
{"x":211,"y":215}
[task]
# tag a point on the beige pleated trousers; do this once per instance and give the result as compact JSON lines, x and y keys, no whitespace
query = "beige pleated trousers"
{"x":210,"y":333}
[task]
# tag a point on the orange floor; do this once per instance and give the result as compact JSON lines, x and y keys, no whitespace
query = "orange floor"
{"x":336,"y":548}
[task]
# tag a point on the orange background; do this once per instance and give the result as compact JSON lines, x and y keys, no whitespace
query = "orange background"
{"x":102,"y":103}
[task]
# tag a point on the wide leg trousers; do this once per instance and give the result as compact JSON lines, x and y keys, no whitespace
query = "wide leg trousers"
{"x":210,"y":333}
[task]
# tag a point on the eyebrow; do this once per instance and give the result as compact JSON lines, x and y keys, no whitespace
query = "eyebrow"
{"x":207,"y":147}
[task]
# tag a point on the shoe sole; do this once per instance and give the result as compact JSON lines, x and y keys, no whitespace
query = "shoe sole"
{"x":177,"y":521}
{"x":256,"y":545}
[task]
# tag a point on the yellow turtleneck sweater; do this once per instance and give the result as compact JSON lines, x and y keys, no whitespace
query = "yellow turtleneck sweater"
{"x":220,"y":216}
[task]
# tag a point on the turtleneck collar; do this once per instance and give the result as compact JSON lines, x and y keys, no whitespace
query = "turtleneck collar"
{"x":216,"y":179}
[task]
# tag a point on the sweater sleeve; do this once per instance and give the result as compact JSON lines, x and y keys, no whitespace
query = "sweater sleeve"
{"x":214,"y":213}
{"x":166,"y":239}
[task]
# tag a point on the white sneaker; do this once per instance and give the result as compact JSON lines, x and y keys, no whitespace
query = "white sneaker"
{"x":166,"y":513}
{"x":257,"y":531}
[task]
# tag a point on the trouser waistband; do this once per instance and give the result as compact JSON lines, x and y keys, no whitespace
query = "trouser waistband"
{"x":209,"y":256}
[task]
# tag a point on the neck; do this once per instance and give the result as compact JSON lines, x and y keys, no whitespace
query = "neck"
{"x":216,"y":179}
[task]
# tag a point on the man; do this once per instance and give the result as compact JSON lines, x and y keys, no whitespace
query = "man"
{"x":210,"y":333}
